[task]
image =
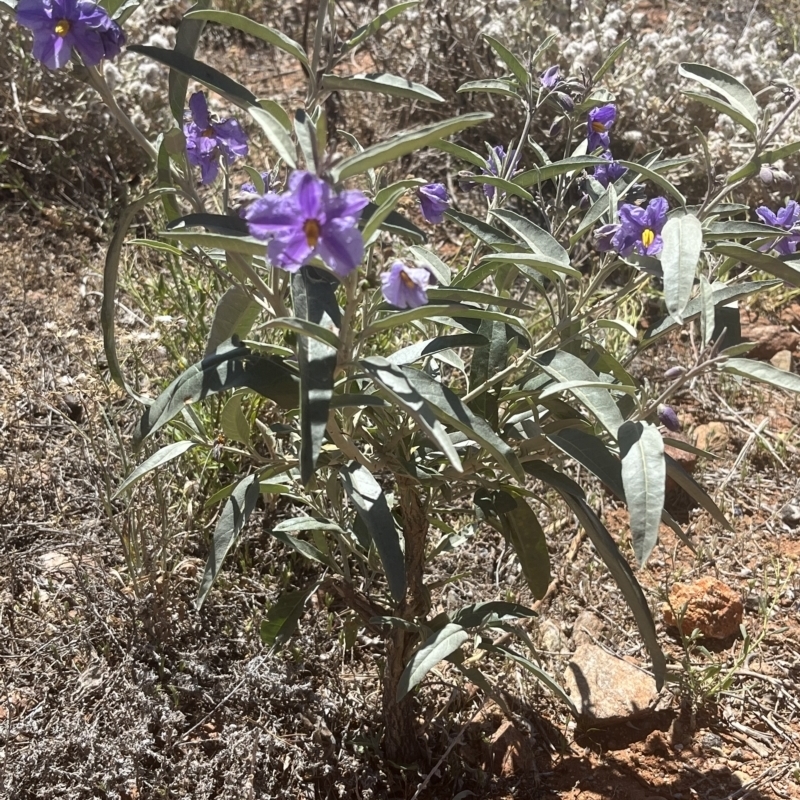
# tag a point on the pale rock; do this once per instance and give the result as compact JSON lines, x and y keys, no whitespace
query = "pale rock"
{"x":711,"y":606}
{"x":587,"y":628}
{"x":713,"y":436}
{"x":606,"y":689}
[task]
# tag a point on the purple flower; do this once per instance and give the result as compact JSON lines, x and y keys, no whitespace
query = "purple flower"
{"x":550,"y":77}
{"x":309,"y":220}
{"x":433,"y":199}
{"x":610,"y":172}
{"x":668,"y":418}
{"x":61,"y":26}
{"x":640,"y":228}
{"x":600,"y":121}
{"x":604,"y":236}
{"x":248,"y":189}
{"x":785,"y":218}
{"x":209,"y":140}
{"x":406,"y":287}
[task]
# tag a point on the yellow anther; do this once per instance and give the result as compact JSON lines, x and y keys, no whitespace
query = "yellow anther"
{"x":62,"y":27}
{"x":648,"y":237}
{"x":311,"y":230}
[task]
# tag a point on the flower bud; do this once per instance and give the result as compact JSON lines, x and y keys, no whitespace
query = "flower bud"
{"x":766,"y":176}
{"x":668,"y":418}
{"x":674,"y":372}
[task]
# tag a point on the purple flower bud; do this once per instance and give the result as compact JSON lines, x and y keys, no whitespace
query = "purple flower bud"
{"x":433,"y":200}
{"x":604,"y":236}
{"x":674,"y":372}
{"x":566,"y":102}
{"x":668,"y":418}
{"x":550,"y":77}
{"x":766,"y":175}
{"x":406,"y":287}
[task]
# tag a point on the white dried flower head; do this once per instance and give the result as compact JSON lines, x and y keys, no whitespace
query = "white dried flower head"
{"x":112,"y":75}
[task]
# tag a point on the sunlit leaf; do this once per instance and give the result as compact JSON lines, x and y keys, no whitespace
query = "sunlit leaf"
{"x":158,"y":459}
{"x":683,"y":243}
{"x":380,"y":83}
{"x":434,"y":649}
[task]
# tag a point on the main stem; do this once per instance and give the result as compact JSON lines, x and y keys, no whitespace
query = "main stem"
{"x":401,"y":741}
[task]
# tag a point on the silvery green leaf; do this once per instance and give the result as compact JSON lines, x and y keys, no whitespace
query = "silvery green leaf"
{"x":234,"y":315}
{"x":739,"y":229}
{"x":314,"y":299}
{"x":765,"y":373}
{"x":244,"y":245}
{"x":365,"y":31}
{"x":240,"y":505}
{"x":306,"y":134}
{"x":380,"y":83}
{"x":412,"y":353}
{"x":488,"y":234}
{"x":387,"y":205}
{"x":440,"y":270}
{"x":490,"y":86}
{"x":400,"y":391}
{"x":514,"y":65}
{"x":538,"y":239}
{"x":724,"y":108}
{"x":192,"y":68}
{"x":276,"y":133}
{"x":233,"y":421}
{"x":395,"y":223}
{"x":784,"y":270}
{"x":552,"y":170}
{"x":159,"y":458}
{"x":728,"y":87}
{"x":403,"y":143}
{"x":767,"y":157}
{"x":643,"y":477}
{"x":434,"y":649}
{"x":693,"y":489}
{"x":683,"y":243}
{"x":504,"y":186}
{"x":470,"y":156}
{"x":611,"y":59}
{"x":245,"y":24}
{"x":707,"y":315}
{"x":722,"y":294}
{"x":388,"y":191}
{"x":530,"y":544}
{"x":476,"y":615}
{"x":565,"y":368}
{"x":543,"y":264}
{"x":370,"y":503}
{"x":186,"y":41}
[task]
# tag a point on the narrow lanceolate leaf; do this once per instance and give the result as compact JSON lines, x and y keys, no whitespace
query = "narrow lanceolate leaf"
{"x":400,"y":392}
{"x":434,"y":649}
{"x":275,"y":132}
{"x":234,"y":516}
{"x":623,"y":576}
{"x":192,"y":68}
{"x":370,"y":503}
{"x":229,"y":367}
{"x":314,"y":296}
{"x":158,"y":459}
{"x":724,"y":108}
{"x":403,"y":143}
{"x":284,"y":616}
{"x":740,"y":229}
{"x":530,"y":544}
{"x":110,"y":277}
{"x":514,"y":65}
{"x":234,"y":315}
{"x":186,"y":40}
{"x":233,"y":421}
{"x":538,"y":239}
{"x":694,"y":490}
{"x":507,"y":88}
{"x":414,"y":352}
{"x":365,"y":31}
{"x":476,"y":615}
{"x":247,"y":25}
{"x":643,"y":476}
{"x":551,"y":267}
{"x":568,"y":369}
{"x":683,"y":243}
{"x":547,"y":172}
{"x":449,"y":409}
{"x":726,"y":86}
{"x":488,"y":234}
{"x":592,"y":453}
{"x":774,"y":266}
{"x":767,"y":157}
{"x":380,"y":83}
{"x":765,"y":373}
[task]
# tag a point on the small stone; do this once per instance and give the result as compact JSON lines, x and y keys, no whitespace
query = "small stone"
{"x":710,"y":741}
{"x":713,"y":436}
{"x":606,"y":689}
{"x":711,"y":607}
{"x":587,"y":628}
{"x":769,"y":340}
{"x":782,"y":360}
{"x":550,"y":637}
{"x":790,"y":513}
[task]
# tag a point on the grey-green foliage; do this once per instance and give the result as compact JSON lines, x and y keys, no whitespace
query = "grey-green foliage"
{"x":516,"y":369}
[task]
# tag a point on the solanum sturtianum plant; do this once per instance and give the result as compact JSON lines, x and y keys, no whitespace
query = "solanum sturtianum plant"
{"x":405,"y":383}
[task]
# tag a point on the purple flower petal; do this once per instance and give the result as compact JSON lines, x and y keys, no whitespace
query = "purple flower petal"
{"x":290,"y":252}
{"x":550,"y":77}
{"x":199,"y":108}
{"x":433,"y":200}
{"x":341,"y":247}
{"x":405,"y":287}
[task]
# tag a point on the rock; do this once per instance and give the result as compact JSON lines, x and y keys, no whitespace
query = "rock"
{"x":782,"y":360}
{"x":790,"y":513}
{"x":550,"y":637}
{"x":512,"y":753}
{"x":791,"y":314}
{"x":587,"y":628}
{"x":769,"y":340}
{"x":711,"y":606}
{"x":656,"y":745}
{"x":713,"y":436}
{"x":710,"y":741}
{"x":606,"y":689}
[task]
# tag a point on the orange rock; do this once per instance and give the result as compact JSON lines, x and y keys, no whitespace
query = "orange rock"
{"x":710,"y":606}
{"x":769,"y":340}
